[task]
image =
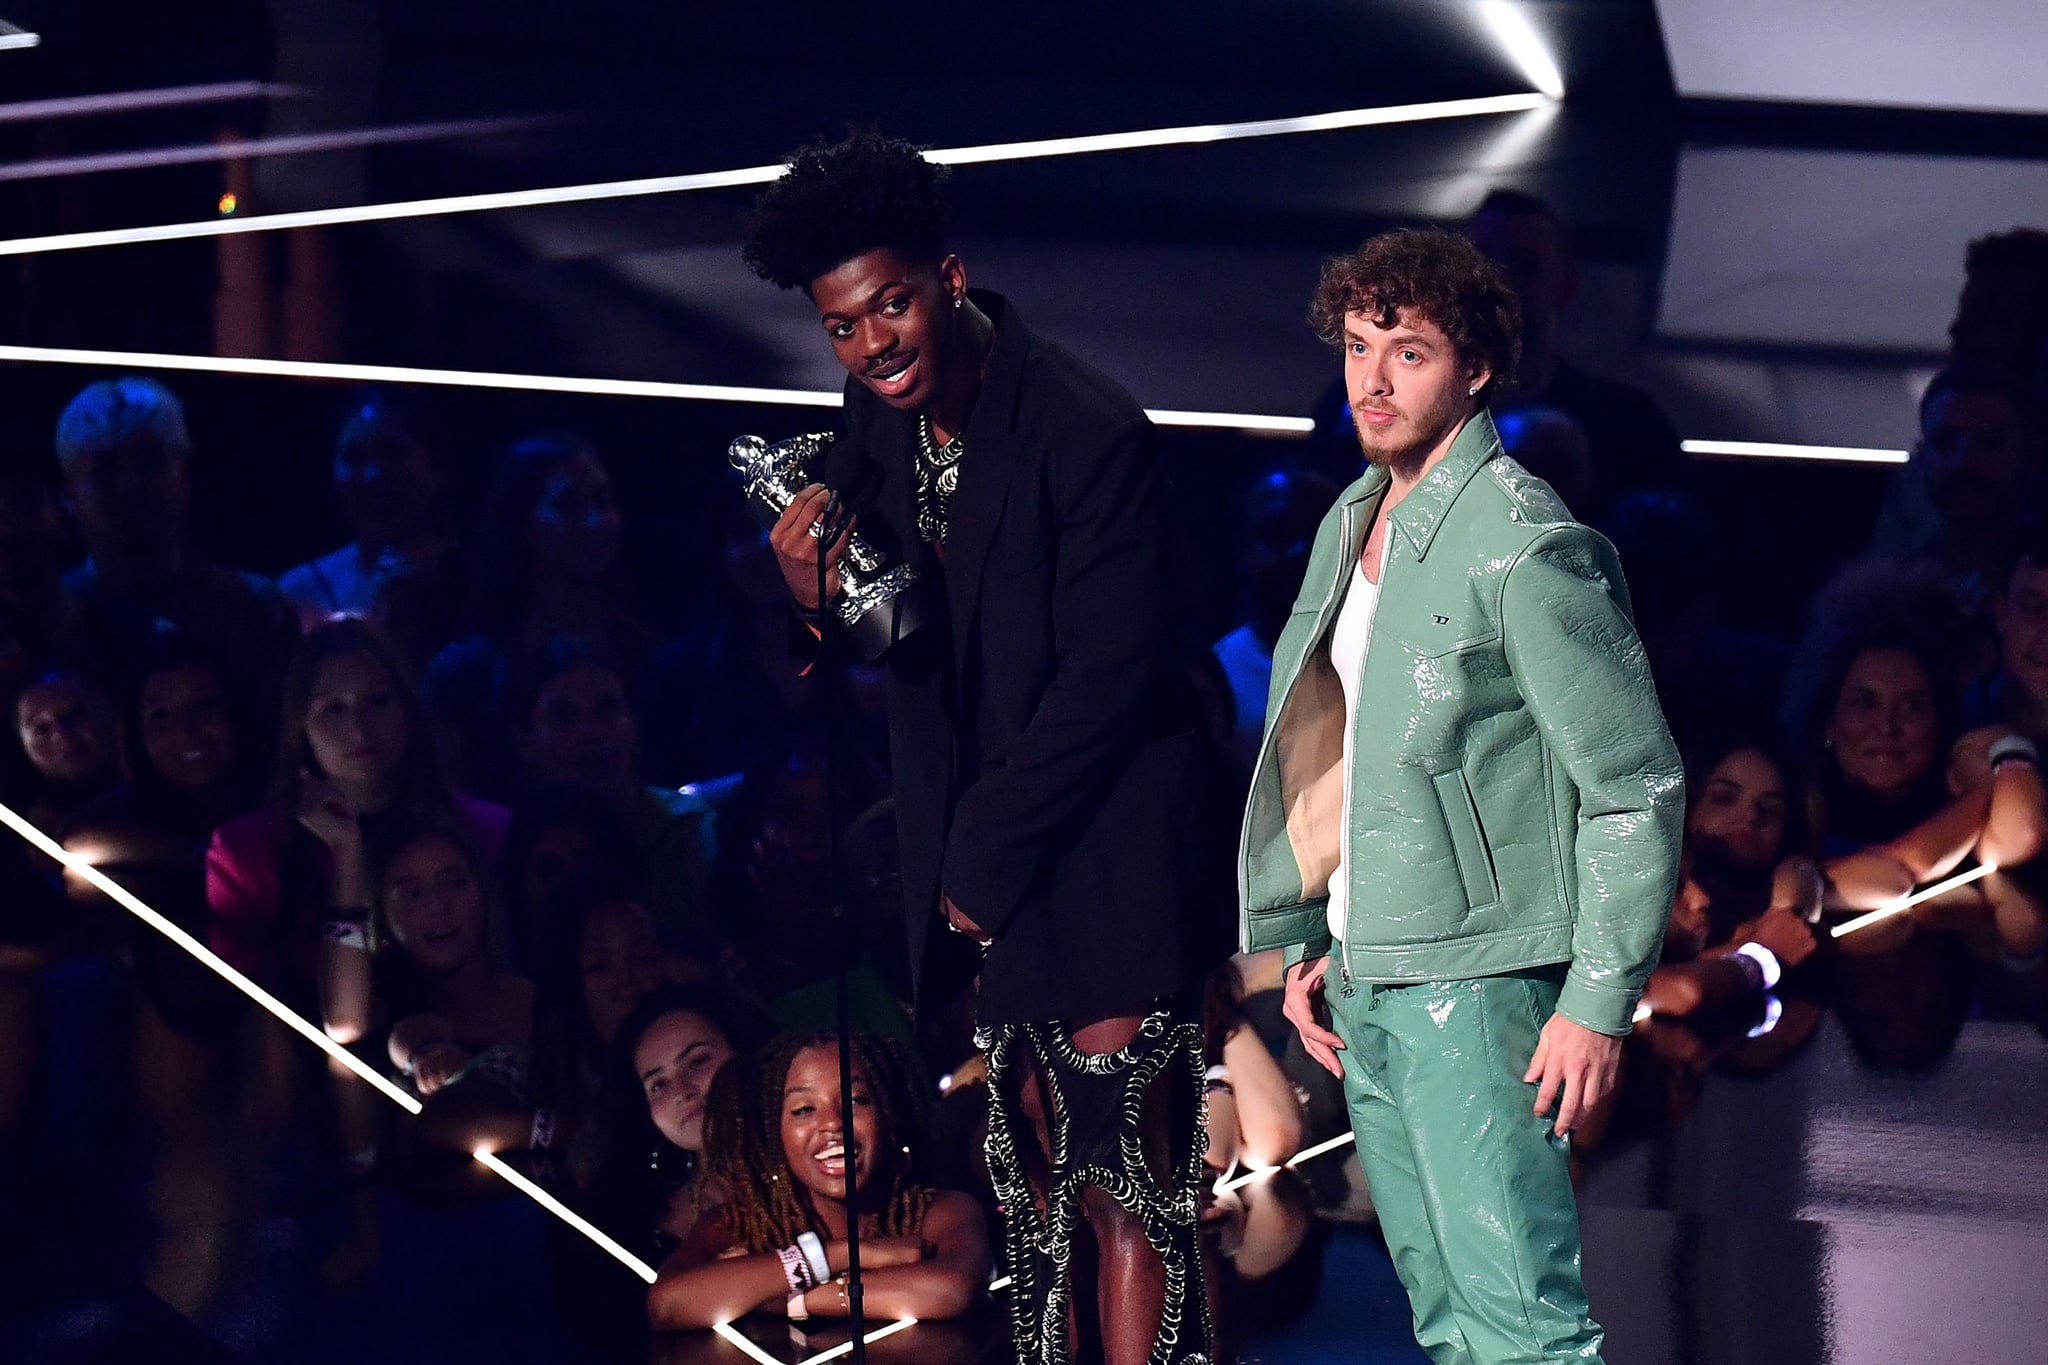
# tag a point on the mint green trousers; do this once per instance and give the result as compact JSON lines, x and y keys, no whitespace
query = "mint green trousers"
{"x":1473,"y":1189}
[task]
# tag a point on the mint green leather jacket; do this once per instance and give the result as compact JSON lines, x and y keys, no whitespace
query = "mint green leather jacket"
{"x":1516,"y":800}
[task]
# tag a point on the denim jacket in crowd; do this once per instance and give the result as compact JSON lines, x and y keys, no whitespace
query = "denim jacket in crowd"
{"x":1516,"y":800}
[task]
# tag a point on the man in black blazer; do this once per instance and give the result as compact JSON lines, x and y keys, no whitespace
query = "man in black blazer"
{"x":1058,"y":798}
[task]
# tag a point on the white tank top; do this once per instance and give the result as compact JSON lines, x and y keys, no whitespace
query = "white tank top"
{"x":1348,"y":641}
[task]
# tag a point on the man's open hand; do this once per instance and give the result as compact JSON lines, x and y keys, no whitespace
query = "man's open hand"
{"x":1309,"y":1012}
{"x":1575,"y":1067}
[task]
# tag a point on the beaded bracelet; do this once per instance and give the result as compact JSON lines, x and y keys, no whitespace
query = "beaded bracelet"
{"x":795,"y":1270}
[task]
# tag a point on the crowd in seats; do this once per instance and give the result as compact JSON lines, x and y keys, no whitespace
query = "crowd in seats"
{"x":565,"y":877}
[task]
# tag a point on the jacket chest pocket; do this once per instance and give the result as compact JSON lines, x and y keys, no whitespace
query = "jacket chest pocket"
{"x":1468,"y":838}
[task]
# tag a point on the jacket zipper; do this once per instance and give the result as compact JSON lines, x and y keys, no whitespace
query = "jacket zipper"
{"x":1244,"y":838}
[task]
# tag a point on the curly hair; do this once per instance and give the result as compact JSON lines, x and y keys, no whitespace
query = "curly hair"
{"x":744,"y":1158}
{"x":841,"y":201}
{"x":1443,"y":278}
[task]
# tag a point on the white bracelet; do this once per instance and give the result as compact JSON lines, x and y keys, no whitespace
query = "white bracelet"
{"x":797,"y":1309}
{"x":1766,"y":960}
{"x":813,"y":1249}
{"x":347,"y":933}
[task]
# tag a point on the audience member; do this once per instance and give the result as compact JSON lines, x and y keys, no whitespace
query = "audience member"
{"x":399,"y":569}
{"x":2001,"y":321}
{"x":2015,"y":692}
{"x":126,"y":459}
{"x":1895,"y":799}
{"x":1962,"y":501}
{"x":667,"y":1053}
{"x":547,"y":564}
{"x":573,"y":726}
{"x":356,"y":751}
{"x":1285,"y":506}
{"x":71,"y":734}
{"x":794,"y":1163}
{"x":1745,"y":909}
{"x":1630,"y":444}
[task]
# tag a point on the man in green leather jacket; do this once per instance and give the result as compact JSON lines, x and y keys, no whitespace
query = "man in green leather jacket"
{"x":1464,"y":824}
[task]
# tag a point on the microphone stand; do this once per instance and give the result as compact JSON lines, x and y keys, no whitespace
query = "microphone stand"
{"x":831,"y":524}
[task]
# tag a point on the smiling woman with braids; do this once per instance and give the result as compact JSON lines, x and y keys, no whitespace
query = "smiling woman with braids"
{"x":777,"y":1150}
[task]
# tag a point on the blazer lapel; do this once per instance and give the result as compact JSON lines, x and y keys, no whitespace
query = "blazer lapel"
{"x":987,"y":467}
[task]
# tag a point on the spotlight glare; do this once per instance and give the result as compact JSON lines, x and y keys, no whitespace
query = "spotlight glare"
{"x":13,"y":38}
{"x":1523,"y":45}
{"x":120,"y":895}
{"x":566,"y":1214}
{"x":1781,"y":450}
{"x":1905,"y":903}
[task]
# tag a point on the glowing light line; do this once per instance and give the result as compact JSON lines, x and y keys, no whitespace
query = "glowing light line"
{"x":566,"y":1214}
{"x":13,"y":38}
{"x":1306,"y":1154}
{"x":289,"y":144}
{"x":1781,"y":450}
{"x":1203,"y":133}
{"x":1342,"y":1139}
{"x":846,"y":1348}
{"x":725,"y":1330}
{"x":1918,"y":897}
{"x":760,"y":175}
{"x":1256,"y":423}
{"x":128,"y":101}
{"x":121,"y":896}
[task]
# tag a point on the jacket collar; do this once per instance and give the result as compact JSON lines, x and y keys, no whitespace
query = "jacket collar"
{"x":1421,"y":514}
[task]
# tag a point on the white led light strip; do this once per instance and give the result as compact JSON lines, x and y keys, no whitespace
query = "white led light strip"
{"x":1780,"y":450}
{"x":1306,"y":1154}
{"x":761,"y":175}
{"x":1258,"y":423}
{"x":13,"y":37}
{"x":566,"y":1214}
{"x":1918,"y":897}
{"x":754,"y":1352}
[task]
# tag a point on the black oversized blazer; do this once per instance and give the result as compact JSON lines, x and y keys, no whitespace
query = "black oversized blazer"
{"x":1051,"y":770}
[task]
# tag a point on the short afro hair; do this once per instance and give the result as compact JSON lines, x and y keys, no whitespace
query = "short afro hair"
{"x":1440,"y":275}
{"x":841,"y":201}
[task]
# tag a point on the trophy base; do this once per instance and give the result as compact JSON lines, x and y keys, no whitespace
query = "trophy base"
{"x":878,"y":627}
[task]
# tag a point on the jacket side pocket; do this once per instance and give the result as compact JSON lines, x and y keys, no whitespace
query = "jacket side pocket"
{"x":1468,"y":841}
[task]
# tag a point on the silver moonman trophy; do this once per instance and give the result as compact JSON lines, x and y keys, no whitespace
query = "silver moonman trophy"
{"x":878,"y":603}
